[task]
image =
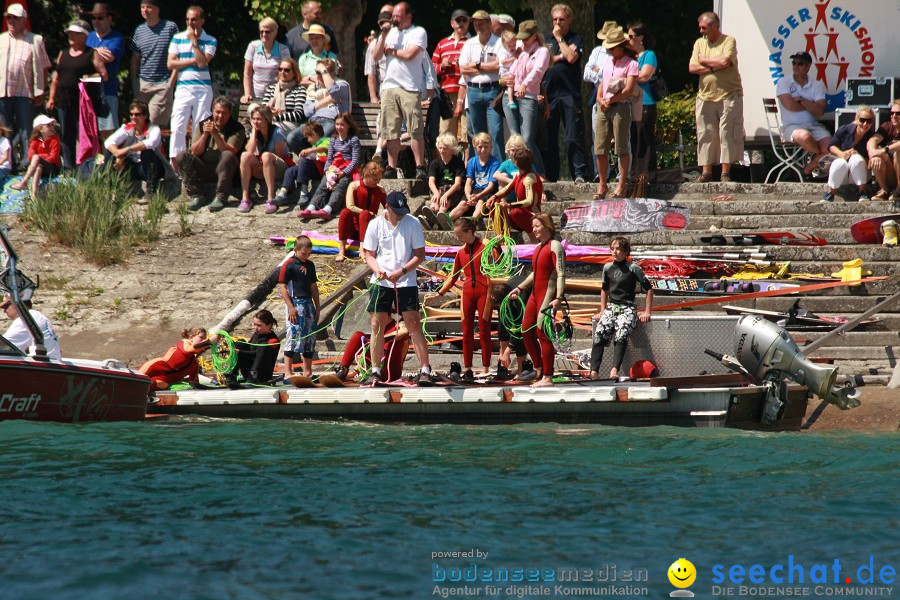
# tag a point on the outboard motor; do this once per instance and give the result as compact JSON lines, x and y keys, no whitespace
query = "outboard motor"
{"x":768,"y":353}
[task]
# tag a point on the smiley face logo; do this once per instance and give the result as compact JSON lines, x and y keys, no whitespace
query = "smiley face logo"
{"x":682,"y":573}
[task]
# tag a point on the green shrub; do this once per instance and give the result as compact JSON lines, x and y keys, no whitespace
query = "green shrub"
{"x":97,"y":216}
{"x":676,"y":113}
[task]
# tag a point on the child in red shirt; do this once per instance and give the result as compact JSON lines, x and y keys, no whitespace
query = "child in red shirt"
{"x":43,"y":154}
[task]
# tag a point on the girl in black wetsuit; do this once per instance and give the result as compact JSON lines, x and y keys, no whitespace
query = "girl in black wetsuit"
{"x":256,"y":358}
{"x":618,"y":312}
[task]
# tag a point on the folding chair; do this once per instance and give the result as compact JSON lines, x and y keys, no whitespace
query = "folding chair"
{"x":789,"y":154}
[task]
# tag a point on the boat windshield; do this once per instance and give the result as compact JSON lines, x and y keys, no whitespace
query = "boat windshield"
{"x":8,"y":349}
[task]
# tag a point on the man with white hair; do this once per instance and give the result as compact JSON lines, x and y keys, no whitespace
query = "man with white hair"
{"x":501,"y":23}
{"x":24,"y":65}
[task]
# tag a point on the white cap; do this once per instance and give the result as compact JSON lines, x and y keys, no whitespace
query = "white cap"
{"x":78,"y":27}
{"x":42,"y":120}
{"x":16,"y":10}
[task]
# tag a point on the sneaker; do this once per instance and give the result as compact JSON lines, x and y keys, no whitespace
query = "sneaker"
{"x":455,"y":371}
{"x":881,"y":195}
{"x":467,"y":377}
{"x":864,"y":197}
{"x":245,"y":206}
{"x":303,"y":200}
{"x":431,"y":217}
{"x":270,"y":208}
{"x":579,"y":179}
{"x":196,"y":203}
{"x":424,"y":379}
{"x":217,"y":204}
{"x":828,"y":196}
{"x":444,"y":221}
{"x":725,"y":178}
{"x":341,"y":373}
{"x":421,"y":174}
{"x":389,"y":173}
{"x":426,"y":225}
{"x":377,"y":158}
{"x":320,"y":214}
{"x":373,"y":379}
{"x":704,"y":178}
{"x":400,"y":174}
{"x":281,"y":198}
{"x":305,"y":214}
{"x":895,"y":195}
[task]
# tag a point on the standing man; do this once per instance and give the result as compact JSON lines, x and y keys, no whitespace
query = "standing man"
{"x":312,"y":15}
{"x":720,"y":99}
{"x":479,"y":63}
{"x":216,"y":145}
{"x":563,"y":82}
{"x":802,"y":101}
{"x":446,"y":64}
{"x":150,"y":76}
{"x":404,"y":82}
{"x":393,"y":248}
{"x":24,"y":65}
{"x":109,"y":44}
{"x":372,"y":69}
{"x":190,"y":53}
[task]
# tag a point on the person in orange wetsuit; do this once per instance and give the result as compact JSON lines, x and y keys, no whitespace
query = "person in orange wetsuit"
{"x":476,"y":295}
{"x":180,"y":361}
{"x":548,"y":276}
{"x":529,"y":189}
{"x":395,"y":350}
{"x":364,"y":199}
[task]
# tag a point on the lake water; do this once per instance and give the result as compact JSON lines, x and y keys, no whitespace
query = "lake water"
{"x":196,"y":508}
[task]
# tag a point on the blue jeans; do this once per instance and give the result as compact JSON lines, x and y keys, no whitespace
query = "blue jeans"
{"x":530,"y":113}
{"x":18,"y":114}
{"x":483,"y":118}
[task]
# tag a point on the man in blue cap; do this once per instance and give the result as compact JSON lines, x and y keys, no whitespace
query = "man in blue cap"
{"x":393,"y":248}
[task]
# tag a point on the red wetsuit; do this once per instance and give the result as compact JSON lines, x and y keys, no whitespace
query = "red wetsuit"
{"x":475,"y":297}
{"x":548,"y":266}
{"x":179,"y":362}
{"x":353,"y":225}
{"x":394,"y":353}
{"x":520,"y":216}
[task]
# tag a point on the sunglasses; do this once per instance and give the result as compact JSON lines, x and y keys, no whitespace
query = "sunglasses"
{"x":865,"y":120}
{"x":895,"y":113}
{"x":264,"y":32}
{"x":288,"y":70}
{"x":462,"y":19}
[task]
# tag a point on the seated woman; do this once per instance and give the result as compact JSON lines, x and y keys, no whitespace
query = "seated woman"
{"x":528,"y":188}
{"x":364,"y":199}
{"x":134,"y":148}
{"x":340,"y":166}
{"x":327,"y":97}
{"x":396,"y":345}
{"x":265,"y":156}
{"x":180,"y":361}
{"x":849,"y":145}
{"x":286,"y":98}
{"x":256,"y":359}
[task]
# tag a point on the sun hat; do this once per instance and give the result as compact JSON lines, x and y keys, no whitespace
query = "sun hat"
{"x":527,"y":29}
{"x":79,"y":26}
{"x":316,"y":29}
{"x":16,"y":10}
{"x":615,"y":37}
{"x":607,"y":27}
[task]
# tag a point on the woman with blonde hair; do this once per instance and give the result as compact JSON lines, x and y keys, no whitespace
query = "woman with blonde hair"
{"x":264,"y":157}
{"x":849,"y":146}
{"x":286,"y":98}
{"x":261,"y":60}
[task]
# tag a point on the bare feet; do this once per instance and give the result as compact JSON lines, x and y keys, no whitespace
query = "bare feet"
{"x":542,"y":382}
{"x":613,"y":373}
{"x":340,"y":258}
{"x":18,"y":186}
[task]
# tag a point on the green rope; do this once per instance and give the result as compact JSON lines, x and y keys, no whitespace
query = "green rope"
{"x":508,"y":317}
{"x":505,"y":264}
{"x":224,"y":362}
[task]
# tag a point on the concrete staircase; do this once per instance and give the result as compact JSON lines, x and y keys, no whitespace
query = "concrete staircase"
{"x":869,"y":355}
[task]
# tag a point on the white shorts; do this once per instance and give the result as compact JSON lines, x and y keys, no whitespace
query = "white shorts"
{"x":817,"y":130}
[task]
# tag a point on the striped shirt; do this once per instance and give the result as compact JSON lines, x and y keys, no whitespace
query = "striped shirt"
{"x":351,"y":147}
{"x":448,"y":48}
{"x":20,"y":65}
{"x":152,"y":43}
{"x":265,"y":67}
{"x":293,"y":103}
{"x":181,"y":48}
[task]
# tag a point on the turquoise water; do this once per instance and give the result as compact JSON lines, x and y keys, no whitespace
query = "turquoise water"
{"x":274,"y":509}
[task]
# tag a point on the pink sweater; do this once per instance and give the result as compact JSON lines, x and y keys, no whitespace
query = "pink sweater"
{"x":529,"y":68}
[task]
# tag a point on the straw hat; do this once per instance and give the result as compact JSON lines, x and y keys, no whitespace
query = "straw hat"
{"x":607,"y":27}
{"x":316,"y":29}
{"x":615,"y":37}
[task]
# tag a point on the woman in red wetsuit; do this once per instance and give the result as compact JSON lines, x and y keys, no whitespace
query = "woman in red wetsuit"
{"x":364,"y":198}
{"x":180,"y":361}
{"x":529,"y":189}
{"x":395,"y":350}
{"x":476,"y":296}
{"x":548,"y":276}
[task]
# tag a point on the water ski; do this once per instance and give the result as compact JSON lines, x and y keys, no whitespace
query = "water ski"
{"x":302,"y":381}
{"x":869,"y":231}
{"x":688,"y":285}
{"x":330,"y":380}
{"x":751,"y":238}
{"x":626,"y":215}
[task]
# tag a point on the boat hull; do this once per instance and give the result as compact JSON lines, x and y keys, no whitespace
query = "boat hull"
{"x":621,"y":405}
{"x":66,"y":392}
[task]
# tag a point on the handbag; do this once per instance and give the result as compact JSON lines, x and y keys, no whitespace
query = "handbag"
{"x":658,"y":87}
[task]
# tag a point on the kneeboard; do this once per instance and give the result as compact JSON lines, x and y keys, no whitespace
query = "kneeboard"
{"x":868,"y":231}
{"x":750,"y":238}
{"x":626,"y":215}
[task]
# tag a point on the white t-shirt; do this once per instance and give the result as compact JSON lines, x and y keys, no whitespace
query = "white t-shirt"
{"x":474,"y":51}
{"x":5,"y":149}
{"x":813,"y":90}
{"x":394,"y":246}
{"x":18,"y":335}
{"x":406,"y":74}
{"x":128,"y":135}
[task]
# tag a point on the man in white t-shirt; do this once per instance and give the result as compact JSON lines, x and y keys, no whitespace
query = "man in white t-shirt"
{"x":802,"y":101}
{"x":394,"y":246}
{"x":404,"y":81}
{"x":18,"y":334}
